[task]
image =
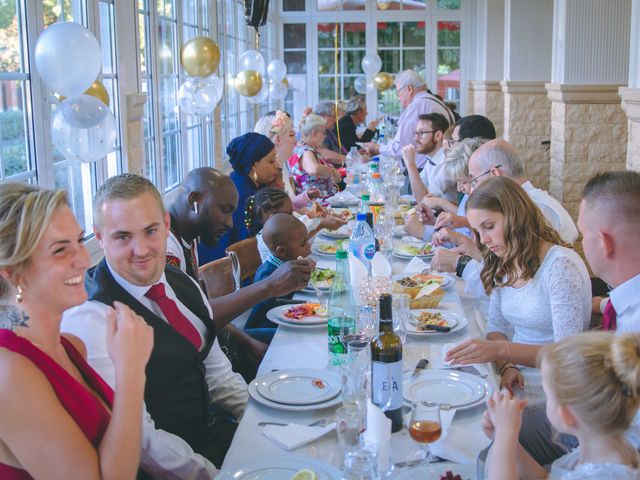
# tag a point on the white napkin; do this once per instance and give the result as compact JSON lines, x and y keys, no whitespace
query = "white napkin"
{"x":480,"y":367}
{"x":460,"y":445}
{"x":427,"y":290}
{"x":294,"y":435}
{"x":416,"y":265}
{"x":380,"y":266}
{"x":378,"y":434}
{"x":357,"y":272}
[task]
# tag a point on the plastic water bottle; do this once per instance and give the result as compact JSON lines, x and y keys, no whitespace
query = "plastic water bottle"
{"x":342,"y":310}
{"x":352,"y":160}
{"x":364,"y":204}
{"x":363,"y":242}
{"x":376,"y":196}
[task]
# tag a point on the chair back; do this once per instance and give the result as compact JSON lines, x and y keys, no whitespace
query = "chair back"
{"x":218,"y":277}
{"x":248,"y":256}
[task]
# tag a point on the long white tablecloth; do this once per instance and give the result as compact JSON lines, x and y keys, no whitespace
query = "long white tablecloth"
{"x":308,"y":348}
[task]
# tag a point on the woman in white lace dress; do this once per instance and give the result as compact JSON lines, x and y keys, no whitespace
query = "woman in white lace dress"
{"x":592,"y":384}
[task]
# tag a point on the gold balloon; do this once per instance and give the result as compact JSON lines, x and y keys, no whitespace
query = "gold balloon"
{"x":248,"y":83}
{"x":383,"y":81}
{"x":382,"y":5}
{"x":200,"y":56}
{"x":96,"y":89}
{"x":286,"y":82}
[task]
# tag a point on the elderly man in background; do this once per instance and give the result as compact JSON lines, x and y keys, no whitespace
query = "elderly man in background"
{"x":356,"y":114}
{"x":331,"y":151}
{"x":416,"y":101}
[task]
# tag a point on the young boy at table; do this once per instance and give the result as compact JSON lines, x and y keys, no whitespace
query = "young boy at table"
{"x":287,"y":239}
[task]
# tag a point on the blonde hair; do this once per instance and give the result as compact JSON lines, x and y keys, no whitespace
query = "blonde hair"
{"x":598,"y":375}
{"x":457,"y":158}
{"x":525,"y":228}
{"x":310,"y":123}
{"x":126,"y":186}
{"x":25,"y":215}
{"x":273,"y":125}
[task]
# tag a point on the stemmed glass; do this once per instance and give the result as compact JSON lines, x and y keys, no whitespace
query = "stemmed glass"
{"x":383,"y":231}
{"x":425,"y":426}
{"x":401,"y":308}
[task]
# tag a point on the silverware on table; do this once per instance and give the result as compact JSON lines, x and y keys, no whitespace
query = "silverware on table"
{"x":421,"y":461}
{"x":317,"y":423}
{"x":482,"y":459}
{"x":422,"y":364}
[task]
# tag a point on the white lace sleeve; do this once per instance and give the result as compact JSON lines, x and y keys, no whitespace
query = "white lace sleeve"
{"x":569,"y":293}
{"x":497,"y":322}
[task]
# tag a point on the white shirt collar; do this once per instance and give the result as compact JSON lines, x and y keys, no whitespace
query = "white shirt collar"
{"x":136,"y":291}
{"x":626,"y":294}
{"x":528,"y":186}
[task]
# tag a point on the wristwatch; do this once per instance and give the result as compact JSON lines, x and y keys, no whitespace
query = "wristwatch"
{"x":462,"y":262}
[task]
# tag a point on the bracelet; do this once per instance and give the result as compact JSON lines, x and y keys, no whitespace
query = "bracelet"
{"x":506,"y":365}
{"x":510,"y":366}
{"x":462,"y":263}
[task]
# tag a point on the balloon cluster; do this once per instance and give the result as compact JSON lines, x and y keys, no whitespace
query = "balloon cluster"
{"x":375,"y":79}
{"x":68,"y":59}
{"x":199,"y":94}
{"x":249,"y":82}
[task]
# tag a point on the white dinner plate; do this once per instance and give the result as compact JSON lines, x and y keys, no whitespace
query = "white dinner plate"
{"x":299,"y":386}
{"x":458,"y":389}
{"x":343,"y":201}
{"x":315,"y":248}
{"x":447,"y":282}
{"x":275,"y":315}
{"x":341,"y":233}
{"x":465,"y":471}
{"x":456,"y":321}
{"x":400,"y":254}
{"x":253,"y":393}
{"x":282,"y":468}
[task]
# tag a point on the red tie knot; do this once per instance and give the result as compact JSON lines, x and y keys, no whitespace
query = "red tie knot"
{"x":156,"y":292}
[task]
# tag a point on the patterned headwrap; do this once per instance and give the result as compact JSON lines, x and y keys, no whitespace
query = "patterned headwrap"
{"x":247,"y":149}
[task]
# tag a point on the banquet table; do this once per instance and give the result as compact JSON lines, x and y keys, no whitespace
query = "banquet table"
{"x":307,"y":348}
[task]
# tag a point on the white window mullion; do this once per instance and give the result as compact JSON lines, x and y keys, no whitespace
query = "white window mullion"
{"x":153,"y":66}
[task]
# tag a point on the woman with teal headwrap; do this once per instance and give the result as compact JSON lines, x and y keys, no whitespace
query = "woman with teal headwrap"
{"x":253,"y":159}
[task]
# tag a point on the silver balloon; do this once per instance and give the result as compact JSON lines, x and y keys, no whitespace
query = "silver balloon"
{"x":81,"y":135}
{"x":251,"y":60}
{"x":199,"y":96}
{"x":277,"y":91}
{"x":68,"y":58}
{"x":262,"y":96}
{"x":276,"y":71}
{"x":360,"y":85}
{"x":371,"y":64}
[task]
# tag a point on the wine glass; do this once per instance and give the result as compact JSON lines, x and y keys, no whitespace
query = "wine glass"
{"x":425,"y":426}
{"x":401,"y":307}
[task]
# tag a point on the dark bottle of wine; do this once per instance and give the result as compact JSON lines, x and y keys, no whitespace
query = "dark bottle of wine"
{"x":386,"y":370}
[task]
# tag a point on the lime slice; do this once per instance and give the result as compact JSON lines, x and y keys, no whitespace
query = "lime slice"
{"x":305,"y":474}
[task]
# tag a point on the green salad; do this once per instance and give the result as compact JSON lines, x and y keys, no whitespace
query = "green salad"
{"x":416,"y":251}
{"x":323,"y":277}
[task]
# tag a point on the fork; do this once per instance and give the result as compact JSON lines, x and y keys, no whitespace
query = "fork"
{"x":317,"y":423}
{"x":482,"y":459}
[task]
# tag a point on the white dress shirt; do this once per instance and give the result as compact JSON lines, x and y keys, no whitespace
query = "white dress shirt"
{"x":626,"y":302}
{"x":164,"y":455}
{"x":435,"y":178}
{"x":422,"y":103}
{"x":554,"y":212}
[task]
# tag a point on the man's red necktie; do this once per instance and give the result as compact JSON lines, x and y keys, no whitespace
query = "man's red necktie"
{"x":175,"y":318}
{"x":609,"y":317}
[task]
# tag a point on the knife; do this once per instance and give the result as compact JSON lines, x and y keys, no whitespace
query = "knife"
{"x":438,"y":328}
{"x":422,"y":364}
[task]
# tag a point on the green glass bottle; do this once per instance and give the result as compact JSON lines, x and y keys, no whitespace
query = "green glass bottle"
{"x":342,"y":310}
{"x":386,"y":369}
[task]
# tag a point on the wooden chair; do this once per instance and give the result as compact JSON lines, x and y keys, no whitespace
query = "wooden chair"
{"x":218,"y":277}
{"x":248,"y":256}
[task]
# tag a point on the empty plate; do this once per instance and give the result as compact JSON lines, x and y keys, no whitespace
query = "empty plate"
{"x":445,"y":387}
{"x":299,"y":386}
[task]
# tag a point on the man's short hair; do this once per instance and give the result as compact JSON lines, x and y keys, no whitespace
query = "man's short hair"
{"x":503,"y":154}
{"x":409,"y":78}
{"x":126,"y":186}
{"x":438,"y":121}
{"x":476,"y":126}
{"x":325,"y":108}
{"x":617,"y":191}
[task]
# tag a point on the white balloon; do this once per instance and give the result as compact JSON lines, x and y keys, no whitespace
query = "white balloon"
{"x":360,"y":85}
{"x":80,"y":133}
{"x":262,"y":96}
{"x":371,"y":64}
{"x":276,"y":71}
{"x":251,"y":60}
{"x":199,"y":96}
{"x":371,"y":86}
{"x":68,"y":58}
{"x":277,"y":91}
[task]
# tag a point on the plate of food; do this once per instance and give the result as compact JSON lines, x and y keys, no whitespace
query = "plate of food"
{"x":326,"y":249}
{"x":413,"y":283}
{"x":282,"y":468}
{"x":343,"y":232}
{"x":431,"y":321}
{"x":299,"y":386}
{"x":298,"y":315}
{"x":345,"y":213}
{"x":420,"y":250}
{"x":322,"y":278}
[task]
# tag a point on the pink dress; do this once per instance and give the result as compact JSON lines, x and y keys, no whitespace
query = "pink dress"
{"x":90,"y":415}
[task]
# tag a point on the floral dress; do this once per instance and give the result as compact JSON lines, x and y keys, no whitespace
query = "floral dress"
{"x":304,"y":180}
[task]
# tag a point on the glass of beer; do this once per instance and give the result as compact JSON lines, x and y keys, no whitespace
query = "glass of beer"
{"x":425,"y":426}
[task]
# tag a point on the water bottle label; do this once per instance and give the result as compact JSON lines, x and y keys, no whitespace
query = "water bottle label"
{"x":338,"y":328}
{"x":386,"y":384}
{"x":369,"y":251}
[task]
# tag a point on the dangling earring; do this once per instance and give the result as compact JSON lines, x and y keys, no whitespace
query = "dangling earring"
{"x":19,"y":296}
{"x":254,"y":176}
{"x":195,"y":208}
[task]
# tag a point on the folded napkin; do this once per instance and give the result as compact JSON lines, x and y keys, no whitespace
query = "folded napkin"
{"x":378,"y":435}
{"x":460,"y":445}
{"x":380,"y":266}
{"x":416,"y":265}
{"x":480,"y":367}
{"x":294,"y":435}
